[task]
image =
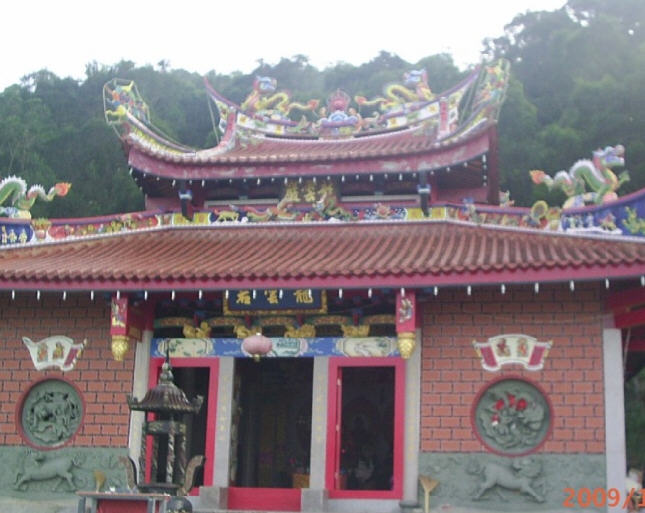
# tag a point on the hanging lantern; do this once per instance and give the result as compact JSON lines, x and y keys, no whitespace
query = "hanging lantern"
{"x":257,"y":346}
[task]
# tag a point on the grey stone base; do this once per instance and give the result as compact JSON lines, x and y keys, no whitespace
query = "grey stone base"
{"x":410,"y":507}
{"x":213,"y":497}
{"x":363,"y":506}
{"x":18,"y":462}
{"x":313,"y":500}
{"x":470,"y":482}
{"x":12,"y":505}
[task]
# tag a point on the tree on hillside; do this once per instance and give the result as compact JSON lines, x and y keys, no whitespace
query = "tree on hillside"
{"x":581,"y":66}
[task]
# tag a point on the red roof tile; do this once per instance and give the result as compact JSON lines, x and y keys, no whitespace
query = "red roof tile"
{"x":393,"y":152}
{"x":328,"y":254}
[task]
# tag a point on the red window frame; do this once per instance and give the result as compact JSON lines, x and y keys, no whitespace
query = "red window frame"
{"x":334,"y":420}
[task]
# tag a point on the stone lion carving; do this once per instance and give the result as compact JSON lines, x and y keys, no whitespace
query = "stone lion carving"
{"x":520,"y":475}
{"x":37,"y":467}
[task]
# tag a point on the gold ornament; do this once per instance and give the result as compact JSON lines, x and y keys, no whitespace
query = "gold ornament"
{"x":202,"y":331}
{"x":406,"y":342}
{"x":242,"y":331}
{"x":356,"y":331}
{"x":120,"y":346}
{"x":304,"y":331}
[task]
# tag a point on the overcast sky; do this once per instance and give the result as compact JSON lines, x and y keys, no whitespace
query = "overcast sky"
{"x":228,"y":35}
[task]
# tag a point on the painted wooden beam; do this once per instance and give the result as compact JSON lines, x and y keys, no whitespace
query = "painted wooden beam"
{"x":636,"y":346}
{"x":626,"y":299}
{"x":630,"y":319}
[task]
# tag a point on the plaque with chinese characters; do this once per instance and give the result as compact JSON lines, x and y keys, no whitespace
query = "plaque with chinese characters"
{"x":268,"y":301}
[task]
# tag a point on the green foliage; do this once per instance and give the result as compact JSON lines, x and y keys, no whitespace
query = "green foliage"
{"x":582,"y":67}
{"x":26,"y":129}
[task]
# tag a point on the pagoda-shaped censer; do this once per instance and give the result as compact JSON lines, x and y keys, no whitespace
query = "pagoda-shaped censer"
{"x":168,"y":404}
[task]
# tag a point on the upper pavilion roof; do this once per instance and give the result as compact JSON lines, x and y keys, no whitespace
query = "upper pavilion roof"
{"x":408,"y":129}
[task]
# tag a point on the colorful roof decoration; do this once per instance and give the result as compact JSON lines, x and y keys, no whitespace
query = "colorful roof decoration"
{"x":316,"y":201}
{"x":14,"y":190}
{"x":408,"y":129}
{"x":597,"y":174}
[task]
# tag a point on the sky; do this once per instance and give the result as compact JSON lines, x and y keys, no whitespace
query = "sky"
{"x":232,"y":35}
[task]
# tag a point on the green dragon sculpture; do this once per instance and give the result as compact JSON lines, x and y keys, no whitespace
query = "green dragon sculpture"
{"x":596,"y":173}
{"x":14,"y":189}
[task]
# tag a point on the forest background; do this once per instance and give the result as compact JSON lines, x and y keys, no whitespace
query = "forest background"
{"x":577,"y":83}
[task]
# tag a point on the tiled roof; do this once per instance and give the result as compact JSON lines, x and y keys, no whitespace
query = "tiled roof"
{"x":395,"y":152}
{"x":423,"y":253}
{"x":267,"y":149}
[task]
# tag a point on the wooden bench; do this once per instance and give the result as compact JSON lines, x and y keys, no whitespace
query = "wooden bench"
{"x":428,"y":484}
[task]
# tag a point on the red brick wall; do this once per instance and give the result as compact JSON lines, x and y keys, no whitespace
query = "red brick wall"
{"x":572,"y":376}
{"x":103,"y":382}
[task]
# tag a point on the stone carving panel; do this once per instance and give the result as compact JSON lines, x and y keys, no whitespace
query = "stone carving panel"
{"x":57,"y":474}
{"x":51,"y":413}
{"x":484,"y":482}
{"x":511,"y":417}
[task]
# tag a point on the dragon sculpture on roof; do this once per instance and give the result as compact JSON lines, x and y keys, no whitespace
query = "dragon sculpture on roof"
{"x":415,"y":88}
{"x":21,"y":200}
{"x":121,"y":97}
{"x":264,"y":100}
{"x":596,"y":173}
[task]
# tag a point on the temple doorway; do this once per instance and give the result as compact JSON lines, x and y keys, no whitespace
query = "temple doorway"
{"x":194,"y":381}
{"x":365,"y":428}
{"x":271,"y":429}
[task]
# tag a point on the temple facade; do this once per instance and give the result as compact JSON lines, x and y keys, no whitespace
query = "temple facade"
{"x":350,"y":308}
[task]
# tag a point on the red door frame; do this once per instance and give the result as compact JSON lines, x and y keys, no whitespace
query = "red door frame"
{"x":211,"y":405}
{"x":333,"y":427}
{"x":264,"y":499}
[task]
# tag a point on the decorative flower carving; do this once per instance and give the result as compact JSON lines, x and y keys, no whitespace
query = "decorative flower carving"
{"x":512,"y":417}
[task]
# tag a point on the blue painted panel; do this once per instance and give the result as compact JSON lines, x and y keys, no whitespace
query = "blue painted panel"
{"x":282,"y":347}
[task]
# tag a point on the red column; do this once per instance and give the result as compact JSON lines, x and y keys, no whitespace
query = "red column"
{"x":406,"y":321}
{"x":126,"y":323}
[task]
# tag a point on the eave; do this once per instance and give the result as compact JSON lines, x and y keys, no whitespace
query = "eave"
{"x":319,"y":255}
{"x":336,"y":163}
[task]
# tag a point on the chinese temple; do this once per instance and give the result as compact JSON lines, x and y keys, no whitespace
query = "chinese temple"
{"x":367,"y":318}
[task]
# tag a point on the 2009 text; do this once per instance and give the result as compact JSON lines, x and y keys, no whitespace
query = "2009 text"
{"x":599,"y":497}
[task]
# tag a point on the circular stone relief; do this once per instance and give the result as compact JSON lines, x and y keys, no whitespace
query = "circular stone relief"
{"x":511,"y":417}
{"x":51,"y":413}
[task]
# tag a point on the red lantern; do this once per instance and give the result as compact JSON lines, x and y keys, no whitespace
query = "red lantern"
{"x":257,"y":346}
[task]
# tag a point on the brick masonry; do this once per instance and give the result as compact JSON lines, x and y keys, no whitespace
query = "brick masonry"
{"x":572,"y":376}
{"x":451,"y":371}
{"x":102,"y":381}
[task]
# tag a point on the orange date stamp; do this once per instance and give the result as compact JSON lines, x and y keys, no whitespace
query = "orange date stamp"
{"x":600,"y":497}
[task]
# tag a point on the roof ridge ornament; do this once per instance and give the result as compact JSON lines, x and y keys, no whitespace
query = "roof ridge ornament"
{"x":265,"y":100}
{"x":14,"y":189}
{"x":406,"y":104}
{"x":596,"y":173}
